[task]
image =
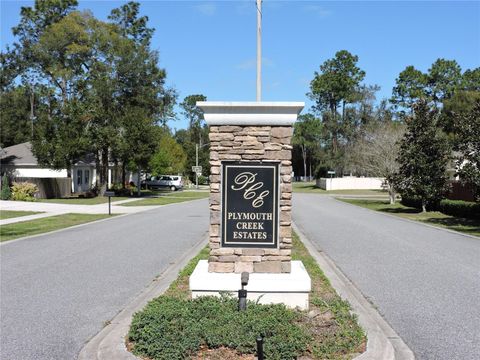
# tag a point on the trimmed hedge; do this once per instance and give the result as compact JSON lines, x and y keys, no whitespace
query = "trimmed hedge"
{"x":411,"y":202}
{"x":416,"y":203}
{"x":460,"y":208}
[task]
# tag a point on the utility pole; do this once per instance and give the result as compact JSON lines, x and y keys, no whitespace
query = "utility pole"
{"x":196,"y":164}
{"x":259,"y":50}
{"x":32,"y":114}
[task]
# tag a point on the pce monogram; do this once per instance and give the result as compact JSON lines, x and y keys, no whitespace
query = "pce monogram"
{"x":246,"y":181}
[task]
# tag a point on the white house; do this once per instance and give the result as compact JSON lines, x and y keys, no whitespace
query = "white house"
{"x":19,"y":162}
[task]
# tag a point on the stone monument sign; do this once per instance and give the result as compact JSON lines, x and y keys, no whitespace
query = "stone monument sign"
{"x":251,"y":201}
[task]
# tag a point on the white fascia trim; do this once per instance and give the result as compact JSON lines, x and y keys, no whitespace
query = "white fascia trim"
{"x":250,"y":113}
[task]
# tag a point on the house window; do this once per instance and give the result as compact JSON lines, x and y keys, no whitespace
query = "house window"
{"x":87,"y":177}
{"x":79,"y":177}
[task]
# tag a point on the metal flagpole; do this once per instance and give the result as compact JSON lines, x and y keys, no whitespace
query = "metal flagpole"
{"x":259,"y":50}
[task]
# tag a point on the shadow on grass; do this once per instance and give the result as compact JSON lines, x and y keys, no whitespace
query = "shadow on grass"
{"x":400,"y":210}
{"x":307,"y":187}
{"x":469,"y":226}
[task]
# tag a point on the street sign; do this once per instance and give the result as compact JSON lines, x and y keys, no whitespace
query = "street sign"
{"x":109,"y":194}
{"x":331,"y":172}
{"x":250,"y":194}
{"x":197,"y":169}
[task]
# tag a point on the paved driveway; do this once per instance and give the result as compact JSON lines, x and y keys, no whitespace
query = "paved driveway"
{"x":51,"y":209}
{"x":424,"y":281}
{"x":58,"y":290}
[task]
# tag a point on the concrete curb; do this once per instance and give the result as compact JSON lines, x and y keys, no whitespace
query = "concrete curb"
{"x":114,"y":216}
{"x":383,"y":342}
{"x":109,"y":343}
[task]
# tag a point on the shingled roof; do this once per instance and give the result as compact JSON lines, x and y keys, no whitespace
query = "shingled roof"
{"x":18,"y":155}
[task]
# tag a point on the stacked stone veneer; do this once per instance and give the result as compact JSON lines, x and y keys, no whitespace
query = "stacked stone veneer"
{"x":251,"y":143}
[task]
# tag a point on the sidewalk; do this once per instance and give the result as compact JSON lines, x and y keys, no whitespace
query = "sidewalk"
{"x":52,"y":209}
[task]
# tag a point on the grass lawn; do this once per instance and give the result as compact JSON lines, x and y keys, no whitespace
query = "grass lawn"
{"x":83,"y":201}
{"x":309,"y":187}
{"x":7,"y":214}
{"x":39,"y":226}
{"x":174,"y":326}
{"x":169,"y":198}
{"x":191,"y":194}
{"x":467,"y":226}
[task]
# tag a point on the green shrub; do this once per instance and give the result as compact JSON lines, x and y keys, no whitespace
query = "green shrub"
{"x":415,"y":202}
{"x":173,"y":328}
{"x":6,"y":193}
{"x":23,"y":191}
{"x":458,"y":208}
{"x":466,"y":209}
{"x":116,"y":187}
{"x":202,"y":180}
{"x":411,"y":202}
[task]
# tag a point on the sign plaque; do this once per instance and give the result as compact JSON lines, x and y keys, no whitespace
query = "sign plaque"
{"x":250,"y":196}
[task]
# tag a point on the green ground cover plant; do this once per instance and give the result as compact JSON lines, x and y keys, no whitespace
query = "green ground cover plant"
{"x":175,"y":327}
{"x":84,"y":201}
{"x":8,"y":214}
{"x":39,"y":226}
{"x":436,"y":218}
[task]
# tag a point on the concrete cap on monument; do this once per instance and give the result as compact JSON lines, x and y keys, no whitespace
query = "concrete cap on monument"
{"x":251,"y":202}
{"x":251,"y":113}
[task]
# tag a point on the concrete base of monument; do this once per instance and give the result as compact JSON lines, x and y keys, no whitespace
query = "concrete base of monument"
{"x":291,"y":289}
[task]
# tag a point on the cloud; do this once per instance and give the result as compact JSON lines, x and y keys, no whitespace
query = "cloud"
{"x":252,"y":63}
{"x":207,"y":9}
{"x":318,"y":10}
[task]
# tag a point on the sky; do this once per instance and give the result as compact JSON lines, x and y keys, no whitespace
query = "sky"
{"x":209,"y":47}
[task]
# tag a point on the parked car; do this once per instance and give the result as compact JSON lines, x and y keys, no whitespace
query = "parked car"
{"x":172,"y":182}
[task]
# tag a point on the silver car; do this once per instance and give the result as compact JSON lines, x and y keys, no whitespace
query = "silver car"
{"x":172,"y":182}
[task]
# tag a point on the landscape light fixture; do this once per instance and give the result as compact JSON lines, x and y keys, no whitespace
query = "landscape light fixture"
{"x":260,"y":347}
{"x":242,"y":293}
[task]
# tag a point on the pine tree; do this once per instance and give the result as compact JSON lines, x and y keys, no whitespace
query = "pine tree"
{"x":423,"y":157}
{"x":6,"y":193}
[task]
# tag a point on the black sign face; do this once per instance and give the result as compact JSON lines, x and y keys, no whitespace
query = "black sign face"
{"x":250,"y":204}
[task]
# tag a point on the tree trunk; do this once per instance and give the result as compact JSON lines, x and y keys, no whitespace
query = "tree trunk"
{"x":424,"y":206}
{"x":304,"y":155}
{"x":124,"y":174}
{"x":104,"y":172}
{"x":138,"y":182}
{"x":64,"y":91}
{"x":98,"y":180}
{"x":391,"y":194}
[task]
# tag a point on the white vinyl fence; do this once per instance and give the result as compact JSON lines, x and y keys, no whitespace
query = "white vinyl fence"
{"x":351,"y":183}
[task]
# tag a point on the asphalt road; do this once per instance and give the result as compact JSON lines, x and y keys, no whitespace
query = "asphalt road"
{"x":58,"y":290}
{"x":424,"y":281}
